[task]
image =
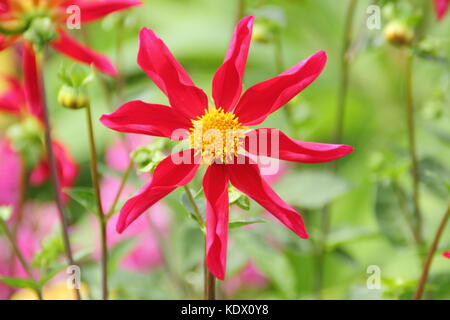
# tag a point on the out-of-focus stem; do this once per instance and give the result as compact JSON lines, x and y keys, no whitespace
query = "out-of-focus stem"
{"x":430,"y":255}
{"x":101,"y":217}
{"x":194,"y":205}
{"x":340,"y":117}
{"x":54,"y":178}
{"x":125,"y":176}
{"x":240,"y":10}
{"x":18,"y":253}
{"x":119,"y":57}
{"x":345,"y":74}
{"x":412,"y":143}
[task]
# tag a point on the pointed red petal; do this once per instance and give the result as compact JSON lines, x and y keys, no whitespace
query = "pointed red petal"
{"x":274,"y":143}
{"x":260,"y":100}
{"x":246,"y":177}
{"x":441,"y":8}
{"x":161,"y":66}
{"x":71,"y":48}
{"x":227,"y":82}
{"x":168,"y":175}
{"x":13,"y":100}
{"x":145,"y":118}
{"x":215,"y":186}
{"x":32,"y":82}
{"x":94,"y":10}
{"x":66,"y":166}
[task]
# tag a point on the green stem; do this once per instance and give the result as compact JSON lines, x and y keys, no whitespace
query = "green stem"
{"x":18,"y":254}
{"x":100,"y":214}
{"x":54,"y":177}
{"x":345,"y":74}
{"x":240,"y":10}
{"x":209,"y":289}
{"x":119,"y":55}
{"x":430,"y":255}
{"x":341,"y":104}
{"x":125,"y":176}
{"x":412,"y":144}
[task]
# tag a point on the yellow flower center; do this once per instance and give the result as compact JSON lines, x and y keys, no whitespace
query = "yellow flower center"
{"x":217,"y":136}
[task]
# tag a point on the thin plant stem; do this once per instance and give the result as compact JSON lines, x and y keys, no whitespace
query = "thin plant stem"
{"x":339,"y":130}
{"x":54,"y":178}
{"x":125,"y":176}
{"x":240,"y":10}
{"x":101,"y":217}
{"x":345,"y":74}
{"x":412,"y":143}
{"x":209,"y":281}
{"x":430,"y":255}
{"x":18,"y":254}
{"x":119,"y":57}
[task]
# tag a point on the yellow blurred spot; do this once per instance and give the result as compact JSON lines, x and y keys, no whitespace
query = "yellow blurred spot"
{"x":57,"y":291}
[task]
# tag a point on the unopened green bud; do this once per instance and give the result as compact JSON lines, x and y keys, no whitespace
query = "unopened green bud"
{"x":147,"y":158}
{"x":398,"y":33}
{"x":73,"y":98}
{"x":41,"y":31}
{"x":5,"y":212}
{"x":262,"y":33}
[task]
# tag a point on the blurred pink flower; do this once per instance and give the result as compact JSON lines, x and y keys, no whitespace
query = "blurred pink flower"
{"x":446,"y":254}
{"x":38,"y":221}
{"x":249,"y":278}
{"x":10,"y":175}
{"x":118,"y":155}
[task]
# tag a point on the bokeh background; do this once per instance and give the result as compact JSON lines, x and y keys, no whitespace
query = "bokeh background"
{"x":161,"y":257}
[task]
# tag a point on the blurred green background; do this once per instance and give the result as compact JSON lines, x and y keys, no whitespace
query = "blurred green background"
{"x":364,"y":229}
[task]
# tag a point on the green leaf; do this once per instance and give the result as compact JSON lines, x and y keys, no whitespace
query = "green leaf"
{"x":118,"y":252}
{"x":84,"y":196}
{"x":52,"y":249}
{"x":312,"y":189}
{"x":390,"y":220}
{"x":241,"y":223}
{"x":20,"y":283}
{"x":435,"y":176}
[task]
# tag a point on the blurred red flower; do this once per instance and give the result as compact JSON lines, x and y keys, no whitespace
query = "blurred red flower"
{"x":233,"y":112}
{"x":441,"y":8}
{"x":20,"y":101}
{"x":16,"y":17}
{"x":446,"y":254}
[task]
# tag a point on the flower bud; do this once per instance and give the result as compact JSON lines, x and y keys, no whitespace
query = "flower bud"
{"x":262,"y":33}
{"x":73,"y":98}
{"x":398,"y":33}
{"x":41,"y":31}
{"x":5,"y":212}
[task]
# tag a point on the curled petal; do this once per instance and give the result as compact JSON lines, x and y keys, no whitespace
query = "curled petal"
{"x":161,"y":66}
{"x":168,"y":175}
{"x":227,"y":82}
{"x":246,"y":177}
{"x":441,"y":8}
{"x":274,"y":143}
{"x":260,"y":100}
{"x":146,"y":118}
{"x":215,"y":186}
{"x":71,"y":48}
{"x":32,"y":82}
{"x":95,"y":10}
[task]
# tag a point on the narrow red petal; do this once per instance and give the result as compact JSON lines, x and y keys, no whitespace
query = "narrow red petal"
{"x":441,"y":8}
{"x":215,"y":186}
{"x":227,"y":82}
{"x":13,"y":99}
{"x":246,"y":177}
{"x":161,"y":66}
{"x":168,"y":175}
{"x":66,"y":166}
{"x":274,"y":143}
{"x":260,"y":100}
{"x":32,"y":82}
{"x":146,"y":118}
{"x":72,"y":49}
{"x":95,"y":10}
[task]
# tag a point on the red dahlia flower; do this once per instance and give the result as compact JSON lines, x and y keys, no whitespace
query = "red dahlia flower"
{"x":441,"y":8}
{"x":25,"y":102}
{"x":231,"y":114}
{"x":17,"y":17}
